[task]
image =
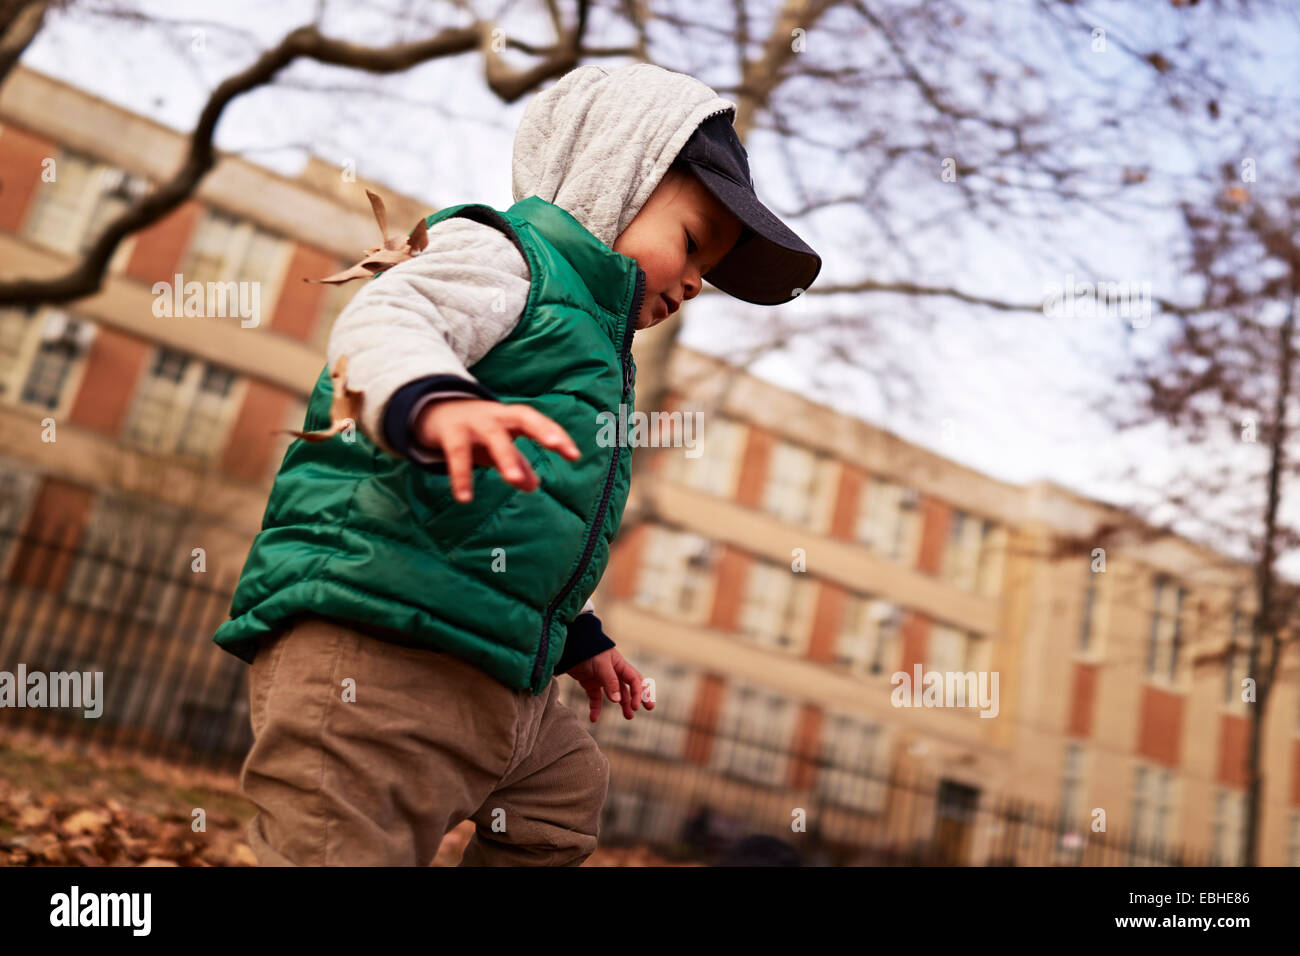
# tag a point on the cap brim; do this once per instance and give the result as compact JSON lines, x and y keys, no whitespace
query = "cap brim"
{"x":773,"y":265}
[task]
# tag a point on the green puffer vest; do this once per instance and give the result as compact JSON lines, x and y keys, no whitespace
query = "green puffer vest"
{"x":353,"y":532}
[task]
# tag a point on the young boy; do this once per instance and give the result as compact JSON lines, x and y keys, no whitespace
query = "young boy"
{"x":419,"y":580}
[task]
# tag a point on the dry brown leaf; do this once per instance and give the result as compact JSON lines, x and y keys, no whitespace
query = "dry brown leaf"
{"x":29,"y":818}
{"x":392,"y":249}
{"x":54,"y":854}
{"x":242,"y":855}
{"x":83,"y":856}
{"x":344,"y":410}
{"x":86,"y":821}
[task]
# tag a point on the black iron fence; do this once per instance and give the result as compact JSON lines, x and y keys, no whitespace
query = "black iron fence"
{"x":138,"y":613}
{"x":142,"y":615}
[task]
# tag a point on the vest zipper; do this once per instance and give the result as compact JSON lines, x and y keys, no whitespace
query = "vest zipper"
{"x":624,"y":357}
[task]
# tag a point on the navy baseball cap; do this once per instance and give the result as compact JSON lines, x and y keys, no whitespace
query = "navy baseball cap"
{"x":769,"y":264}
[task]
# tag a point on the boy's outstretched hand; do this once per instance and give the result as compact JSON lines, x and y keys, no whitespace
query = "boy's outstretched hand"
{"x":472,"y":430}
{"x":608,"y":671}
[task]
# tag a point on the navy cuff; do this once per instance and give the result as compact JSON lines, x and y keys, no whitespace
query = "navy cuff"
{"x":586,"y":639}
{"x":396,"y":432}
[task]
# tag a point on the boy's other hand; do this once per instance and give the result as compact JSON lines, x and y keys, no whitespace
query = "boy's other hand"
{"x":471,"y":431}
{"x":608,"y":671}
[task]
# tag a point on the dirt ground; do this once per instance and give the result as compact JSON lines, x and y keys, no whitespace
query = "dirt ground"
{"x":60,"y":808}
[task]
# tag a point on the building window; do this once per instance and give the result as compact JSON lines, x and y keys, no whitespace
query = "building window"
{"x":205,"y":426}
{"x":717,"y":467}
{"x":988,"y":568}
{"x":183,"y":406}
{"x":868,"y":639}
{"x":754,"y":735}
{"x":211,"y":247}
{"x":1074,"y":820}
{"x":1166,"y":628}
{"x":63,"y":206}
{"x":1089,"y":609}
{"x":676,"y":574}
{"x":263,"y":257}
{"x":17,"y":335}
{"x":956,"y":651}
{"x":17,"y":486}
{"x":1228,"y":833}
{"x":225,"y":248}
{"x":890,"y":522}
{"x":17,"y":489}
{"x":800,"y":485}
{"x":1236,"y":659}
{"x":854,"y":763}
{"x":116,"y":190}
{"x":1153,"y":795}
{"x":1072,"y":815}
{"x":778,"y":607}
{"x":72,"y":209}
{"x":63,"y":340}
{"x":962,"y":552}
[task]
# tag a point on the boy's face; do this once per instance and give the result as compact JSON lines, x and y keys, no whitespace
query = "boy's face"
{"x":681,"y":233}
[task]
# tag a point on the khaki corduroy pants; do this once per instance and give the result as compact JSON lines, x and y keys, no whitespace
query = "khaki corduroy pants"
{"x":429,"y":740}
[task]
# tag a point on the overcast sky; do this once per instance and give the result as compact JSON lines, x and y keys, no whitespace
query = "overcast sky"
{"x":1006,"y":394}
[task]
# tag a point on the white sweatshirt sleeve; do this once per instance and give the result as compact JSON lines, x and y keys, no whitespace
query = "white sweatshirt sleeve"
{"x":435,"y":314}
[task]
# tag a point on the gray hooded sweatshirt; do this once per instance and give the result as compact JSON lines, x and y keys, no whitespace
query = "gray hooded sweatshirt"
{"x":596,"y":144}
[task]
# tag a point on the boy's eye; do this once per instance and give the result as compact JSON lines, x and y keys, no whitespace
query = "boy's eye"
{"x":690,"y":244}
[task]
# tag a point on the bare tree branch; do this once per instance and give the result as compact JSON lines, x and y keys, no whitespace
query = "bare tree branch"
{"x":307,"y":42}
{"x":20,"y":21}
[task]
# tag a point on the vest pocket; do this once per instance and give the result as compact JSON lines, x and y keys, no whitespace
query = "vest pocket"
{"x":449,"y":523}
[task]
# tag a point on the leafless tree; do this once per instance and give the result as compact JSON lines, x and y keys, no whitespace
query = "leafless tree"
{"x":921,"y":121}
{"x":20,"y":21}
{"x":1223,"y":385}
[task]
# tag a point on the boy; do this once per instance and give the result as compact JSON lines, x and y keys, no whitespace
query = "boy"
{"x":418,"y":582}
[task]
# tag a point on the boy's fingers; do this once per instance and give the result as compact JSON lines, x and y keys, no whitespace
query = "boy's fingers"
{"x":508,"y":460}
{"x":533,"y":481}
{"x":593,"y":698}
{"x":544,"y":431}
{"x":629,"y":700}
{"x":632,"y":678}
{"x":642,"y":686}
{"x":615,"y":687}
{"x":456,"y":449}
{"x":610,"y":680}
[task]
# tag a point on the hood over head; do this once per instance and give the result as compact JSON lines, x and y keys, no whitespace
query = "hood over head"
{"x":599,"y":141}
